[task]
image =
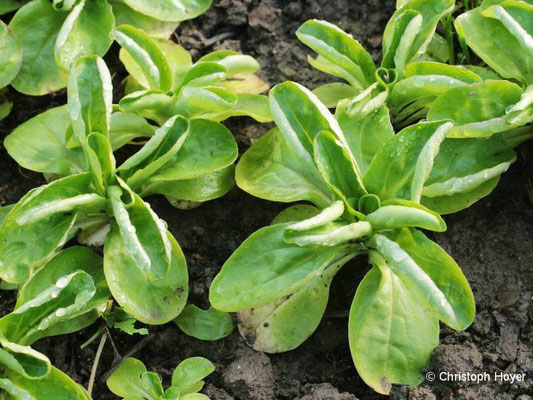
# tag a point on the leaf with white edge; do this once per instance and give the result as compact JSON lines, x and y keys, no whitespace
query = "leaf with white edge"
{"x":158,"y":151}
{"x":209,"y":147}
{"x":339,"y":49}
{"x":147,"y":300}
{"x":143,"y":234}
{"x":207,"y":324}
{"x":411,"y":29}
{"x":85,"y":32}
{"x":266,"y":268}
{"x":62,"y":297}
{"x":90,"y":97}
{"x":478,"y":110}
{"x":430,"y":273}
{"x":46,"y":152}
{"x":365,"y":134}
{"x":37,"y":25}
{"x":461,"y":200}
{"x":270,"y":169}
{"x":234,"y":62}
{"x":204,"y":102}
{"x":10,"y":54}
{"x":170,"y":10}
{"x":151,"y":104}
{"x":249,"y":105}
{"x":464,"y":164}
{"x":392,"y":334}
{"x":333,"y":234}
{"x":45,"y":216}
{"x":147,"y":54}
{"x":395,"y":214}
{"x":496,"y":45}
{"x":400,"y":168}
{"x":204,"y":188}
{"x":339,"y":170}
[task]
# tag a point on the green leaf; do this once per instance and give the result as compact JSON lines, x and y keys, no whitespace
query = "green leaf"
{"x":42,"y":221}
{"x":391,"y":332}
{"x":204,"y":324}
{"x":287,"y":322}
{"x":270,"y":169}
{"x":158,"y":151}
{"x":410,"y":31}
{"x":150,"y":104}
{"x":464,"y":164}
{"x":191,"y":371}
{"x":459,"y":201}
{"x":250,"y":105}
{"x":10,"y":54}
{"x":337,"y":167}
{"x":204,"y":102}
{"x":170,"y":10}
{"x":154,"y":28}
{"x":208,"y":187}
{"x":147,"y":54}
{"x":46,"y":152}
{"x":90,"y":97}
{"x":62,"y":297}
{"x":120,"y":319}
{"x":148,"y":300}
{"x":37,"y":26}
{"x":11,"y":5}
{"x":23,"y":361}
{"x":126,"y":127}
{"x":428,"y":79}
{"x":131,"y":380}
{"x":210,"y":146}
{"x":234,"y":62}
{"x":503,"y":50}
{"x":477,"y":110}
{"x":430,"y":273}
{"x":143,"y":234}
{"x":298,"y":212}
{"x":240,"y":84}
{"x":339,"y":49}
{"x":399,"y":39}
{"x":204,"y":74}
{"x":331,"y":93}
{"x":395,"y":214}
{"x":400,"y":168}
{"x":85,"y":32}
{"x":365,"y":133}
{"x":55,"y":385}
{"x":266,"y":268}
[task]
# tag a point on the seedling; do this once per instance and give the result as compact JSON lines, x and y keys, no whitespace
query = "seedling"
{"x":132,"y":380}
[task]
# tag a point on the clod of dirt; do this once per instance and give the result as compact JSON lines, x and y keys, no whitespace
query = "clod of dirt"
{"x":457,"y":358}
{"x":325,"y":391}
{"x":251,"y":377}
{"x":215,"y":393}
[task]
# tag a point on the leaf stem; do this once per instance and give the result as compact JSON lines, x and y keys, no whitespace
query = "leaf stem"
{"x":95,"y":364}
{"x":92,"y":338}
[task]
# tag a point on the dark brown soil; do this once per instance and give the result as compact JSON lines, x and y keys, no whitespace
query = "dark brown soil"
{"x":492,"y":241}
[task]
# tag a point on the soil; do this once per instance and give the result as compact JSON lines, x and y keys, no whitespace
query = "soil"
{"x":492,"y":241}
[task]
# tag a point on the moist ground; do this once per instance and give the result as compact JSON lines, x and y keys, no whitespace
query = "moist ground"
{"x":492,"y":241}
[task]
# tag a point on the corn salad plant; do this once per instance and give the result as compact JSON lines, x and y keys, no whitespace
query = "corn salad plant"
{"x":53,"y":34}
{"x":131,"y":380}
